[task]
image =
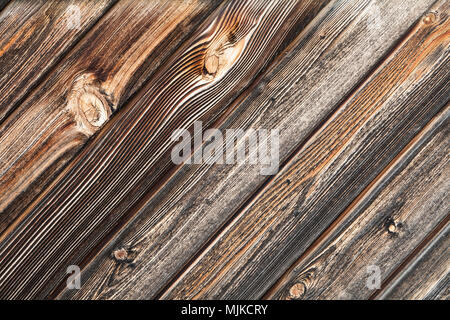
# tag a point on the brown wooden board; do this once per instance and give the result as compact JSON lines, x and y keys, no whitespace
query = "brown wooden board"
{"x":34,"y":36}
{"x":317,"y":72}
{"x":382,"y":228}
{"x":89,"y":85}
{"x":356,"y":203}
{"x":328,"y":173}
{"x":96,"y":193}
{"x":427,"y":275}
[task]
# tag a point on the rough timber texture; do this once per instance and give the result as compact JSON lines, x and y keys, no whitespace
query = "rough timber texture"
{"x":298,"y":92}
{"x":427,"y":276}
{"x":34,"y":37}
{"x":383,"y":227}
{"x":95,"y":193}
{"x":358,"y":89}
{"x":323,"y":178}
{"x":110,"y":64}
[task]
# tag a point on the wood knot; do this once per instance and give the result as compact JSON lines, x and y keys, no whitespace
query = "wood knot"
{"x":430,"y":18}
{"x":393,"y":227}
{"x":225,"y":47}
{"x":211,"y":65}
{"x":120,"y":254}
{"x":125,"y":255}
{"x":89,"y":106}
{"x":220,"y":57}
{"x":297,"y":291}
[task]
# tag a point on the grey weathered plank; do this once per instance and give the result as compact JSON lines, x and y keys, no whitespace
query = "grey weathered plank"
{"x":328,"y":173}
{"x":382,"y":227}
{"x":442,"y":290}
{"x":327,"y":60}
{"x":427,"y":275}
{"x":98,"y":191}
{"x":35,"y":35}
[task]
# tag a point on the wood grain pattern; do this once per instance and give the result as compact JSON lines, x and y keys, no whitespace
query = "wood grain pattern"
{"x":34,"y":37}
{"x":329,"y":171}
{"x":105,"y":69}
{"x":298,"y":92}
{"x":428,"y":275}
{"x":97,"y":191}
{"x":358,"y":90}
{"x":384,"y":225}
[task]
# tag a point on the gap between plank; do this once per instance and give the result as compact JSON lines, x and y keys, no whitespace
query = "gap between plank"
{"x":3,"y":4}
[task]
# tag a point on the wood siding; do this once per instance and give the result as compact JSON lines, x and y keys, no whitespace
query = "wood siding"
{"x":358,"y":91}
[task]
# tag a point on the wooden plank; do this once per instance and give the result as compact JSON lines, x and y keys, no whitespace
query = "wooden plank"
{"x":427,"y":276}
{"x":442,"y":290}
{"x":384,"y":225}
{"x":299,"y":91}
{"x":35,"y":36}
{"x":105,"y":69}
{"x":97,"y":192}
{"x":326,"y":175}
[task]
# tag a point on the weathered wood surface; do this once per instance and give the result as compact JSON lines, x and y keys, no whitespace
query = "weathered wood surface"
{"x":34,"y":37}
{"x":428,"y":275}
{"x":358,"y":90}
{"x":293,"y":96}
{"x":328,"y":173}
{"x":382,"y":227}
{"x":105,"y":69}
{"x":99,"y":189}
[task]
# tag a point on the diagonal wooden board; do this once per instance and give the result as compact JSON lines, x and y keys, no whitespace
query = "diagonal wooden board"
{"x":173,"y":226}
{"x":85,"y":89}
{"x":74,"y":217}
{"x":324,"y":177}
{"x":427,"y":276}
{"x":385,"y":224}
